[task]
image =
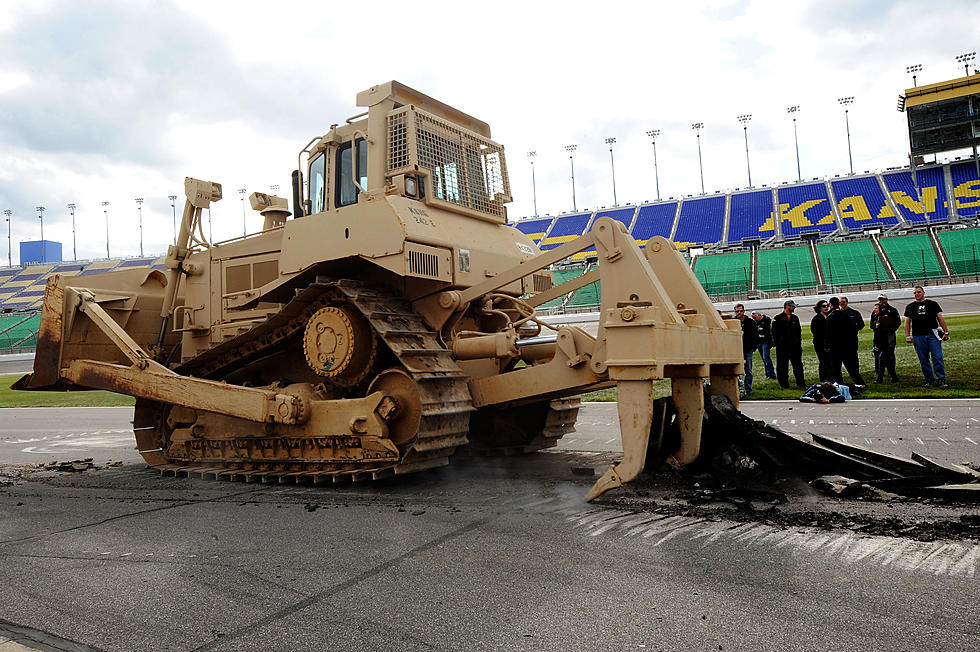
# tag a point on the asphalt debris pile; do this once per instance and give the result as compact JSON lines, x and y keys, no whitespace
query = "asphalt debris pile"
{"x":72,"y":466}
{"x":750,"y":470}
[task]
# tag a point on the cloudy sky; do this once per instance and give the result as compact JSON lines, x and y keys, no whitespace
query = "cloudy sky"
{"x":110,"y":101}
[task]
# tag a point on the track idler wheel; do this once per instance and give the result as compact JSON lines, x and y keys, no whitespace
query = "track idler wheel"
{"x":402,"y":406}
{"x":340,"y":344}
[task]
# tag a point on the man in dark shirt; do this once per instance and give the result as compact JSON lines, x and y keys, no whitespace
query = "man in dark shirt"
{"x":787,"y":337}
{"x":925,"y":329}
{"x":750,"y":340}
{"x":843,"y":325}
{"x":764,"y":324}
{"x":885,"y":320}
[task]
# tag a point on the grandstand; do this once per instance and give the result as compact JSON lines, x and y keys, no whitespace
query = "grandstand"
{"x":870,"y":230}
{"x":22,"y":293}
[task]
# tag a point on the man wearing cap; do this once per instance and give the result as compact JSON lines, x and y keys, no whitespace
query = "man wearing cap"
{"x":750,"y":341}
{"x":885,"y":320}
{"x":787,"y":337}
{"x":764,"y":324}
{"x":926,"y":329}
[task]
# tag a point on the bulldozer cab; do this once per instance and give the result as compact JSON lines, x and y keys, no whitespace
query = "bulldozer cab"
{"x":411,"y":145}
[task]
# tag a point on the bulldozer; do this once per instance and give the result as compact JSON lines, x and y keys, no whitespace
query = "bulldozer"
{"x":387,"y":322}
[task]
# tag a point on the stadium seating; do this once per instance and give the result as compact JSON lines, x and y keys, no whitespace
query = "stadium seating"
{"x":700,"y":222}
{"x":652,"y":220}
{"x":565,"y":228}
{"x":805,"y":209}
{"x":966,"y":188}
{"x":622,"y":215}
{"x":19,"y":331}
{"x":751,"y":216}
{"x":534,"y":228}
{"x":930,"y":206}
{"x":862,"y":203}
{"x":724,"y":273}
{"x":962,"y":249}
{"x":843,"y":263}
{"x":912,"y":256}
{"x":785,"y":268}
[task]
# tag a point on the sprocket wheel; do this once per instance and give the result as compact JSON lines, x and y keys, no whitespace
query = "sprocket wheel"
{"x":340,"y":344}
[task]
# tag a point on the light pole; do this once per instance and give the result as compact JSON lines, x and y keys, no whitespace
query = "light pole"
{"x":534,"y":183}
{"x":571,"y":151}
{"x":793,"y":110}
{"x":912,"y":70}
{"x":653,"y":133}
{"x":105,"y":209}
{"x":173,"y":205}
{"x":74,"y":241}
{"x":845,"y":102}
{"x":139,"y":207}
{"x":9,"y":259}
{"x":612,"y":164}
{"x":242,"y":191}
{"x":40,"y":216}
{"x":744,"y":119}
{"x":965,"y":59}
{"x":697,"y":127}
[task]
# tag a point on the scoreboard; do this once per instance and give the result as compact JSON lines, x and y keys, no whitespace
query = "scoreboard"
{"x":944,"y":116}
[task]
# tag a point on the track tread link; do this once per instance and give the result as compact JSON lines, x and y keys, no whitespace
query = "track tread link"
{"x":443,"y":389}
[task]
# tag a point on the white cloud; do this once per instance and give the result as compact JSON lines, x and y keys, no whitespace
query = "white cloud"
{"x":108,"y":101}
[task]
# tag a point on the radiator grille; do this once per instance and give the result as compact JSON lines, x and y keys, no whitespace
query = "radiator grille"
{"x":542,"y":282}
{"x":423,"y":264}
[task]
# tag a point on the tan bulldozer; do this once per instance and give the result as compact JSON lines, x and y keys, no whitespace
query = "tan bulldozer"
{"x":386,"y":322}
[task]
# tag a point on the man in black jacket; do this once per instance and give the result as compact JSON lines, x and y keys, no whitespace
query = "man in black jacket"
{"x":764,"y":324}
{"x":843,"y":325}
{"x":885,"y":320}
{"x":787,"y":337}
{"x":750,"y":340}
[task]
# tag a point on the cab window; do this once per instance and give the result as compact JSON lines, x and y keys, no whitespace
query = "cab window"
{"x":317,"y":183}
{"x":346,"y":190}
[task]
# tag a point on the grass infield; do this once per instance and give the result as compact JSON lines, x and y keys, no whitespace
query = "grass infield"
{"x":961,"y":355}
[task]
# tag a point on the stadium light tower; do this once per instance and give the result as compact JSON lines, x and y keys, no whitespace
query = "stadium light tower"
{"x":571,"y":159}
{"x":7,"y":213}
{"x":653,"y":133}
{"x":612,"y":163}
{"x":105,"y":209}
{"x":846,"y":102}
{"x":173,"y":205}
{"x":965,"y":59}
{"x":139,"y":207}
{"x":242,"y":191}
{"x":793,"y":110}
{"x":744,"y":119}
{"x":697,"y":127}
{"x":40,"y":216}
{"x":74,"y":241}
{"x":534,"y":184}
{"x":913,"y":70}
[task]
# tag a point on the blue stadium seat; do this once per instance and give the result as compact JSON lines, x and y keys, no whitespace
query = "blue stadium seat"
{"x":136,"y":262}
{"x":701,"y":222}
{"x":751,"y":217}
{"x":653,"y":219}
{"x":805,"y":209}
{"x":534,"y":228}
{"x":916,"y":208}
{"x":566,"y":228}
{"x":862,"y":203}
{"x":966,"y":188}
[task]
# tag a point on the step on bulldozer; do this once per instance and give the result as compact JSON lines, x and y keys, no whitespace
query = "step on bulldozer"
{"x":386,"y":322}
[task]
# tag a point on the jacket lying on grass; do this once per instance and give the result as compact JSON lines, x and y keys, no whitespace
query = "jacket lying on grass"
{"x":826,"y":393}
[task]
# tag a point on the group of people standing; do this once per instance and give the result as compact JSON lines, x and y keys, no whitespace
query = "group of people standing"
{"x":834,"y":327}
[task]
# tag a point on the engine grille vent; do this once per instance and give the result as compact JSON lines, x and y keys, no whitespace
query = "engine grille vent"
{"x":423,"y":264}
{"x":542,"y":282}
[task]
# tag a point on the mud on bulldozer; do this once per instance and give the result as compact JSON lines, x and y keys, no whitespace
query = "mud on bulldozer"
{"x":386,"y":321}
